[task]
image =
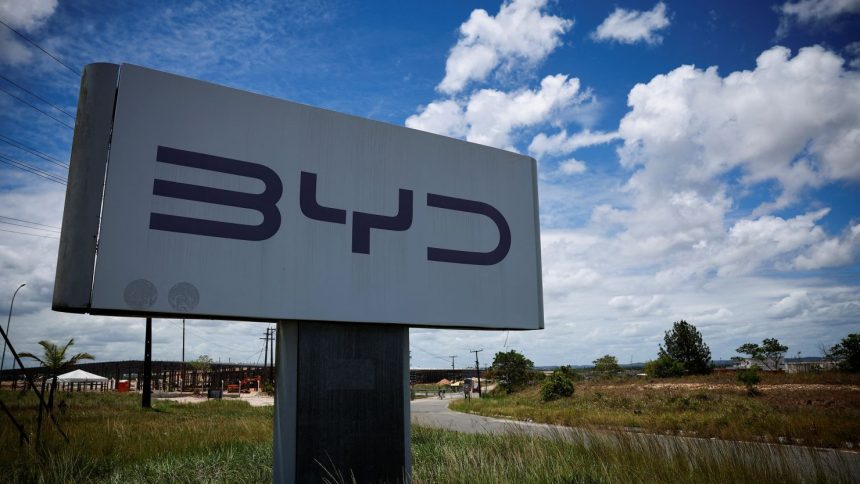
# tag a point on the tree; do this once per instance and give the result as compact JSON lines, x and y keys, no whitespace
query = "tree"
{"x":684,"y":344}
{"x":54,"y":359}
{"x":558,"y":385}
{"x":770,"y":355}
{"x":512,"y":370}
{"x":606,"y":366}
{"x":750,"y":378}
{"x":202,"y":363}
{"x":846,"y":353}
{"x":664,"y":367}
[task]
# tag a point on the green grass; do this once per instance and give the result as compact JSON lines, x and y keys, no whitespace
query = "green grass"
{"x":110,"y":433}
{"x":113,"y":440}
{"x":444,"y":456}
{"x":790,"y":409}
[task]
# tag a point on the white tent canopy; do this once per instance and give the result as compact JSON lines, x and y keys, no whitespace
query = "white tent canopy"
{"x":80,"y":376}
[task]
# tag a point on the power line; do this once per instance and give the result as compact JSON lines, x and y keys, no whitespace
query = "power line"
{"x":32,"y":151}
{"x":40,"y":98}
{"x":52,"y":56}
{"x":26,"y":167}
{"x":23,"y":101}
{"x":29,"y":222}
{"x":28,"y":227}
{"x":31,"y":235}
{"x":429,"y":353}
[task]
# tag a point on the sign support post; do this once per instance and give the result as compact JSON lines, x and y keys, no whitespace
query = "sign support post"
{"x":147,"y":366}
{"x":340,"y":388}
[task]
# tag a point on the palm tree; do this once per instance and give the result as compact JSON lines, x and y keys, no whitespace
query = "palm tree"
{"x":55,"y":361}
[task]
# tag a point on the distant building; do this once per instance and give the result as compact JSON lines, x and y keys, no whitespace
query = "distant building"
{"x":809,"y":366}
{"x":770,"y":364}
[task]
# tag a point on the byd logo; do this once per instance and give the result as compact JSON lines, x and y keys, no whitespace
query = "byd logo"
{"x":266,"y":204}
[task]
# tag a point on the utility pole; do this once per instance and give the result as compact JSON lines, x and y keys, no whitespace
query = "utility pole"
{"x":453,"y":357}
{"x":182,"y":380}
{"x":272,"y":356}
{"x":265,"y":353}
{"x":478,"y":369}
{"x":147,"y":366}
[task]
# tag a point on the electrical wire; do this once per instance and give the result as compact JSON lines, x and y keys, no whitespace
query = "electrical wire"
{"x":23,"y":101}
{"x":52,"y":56}
{"x":32,"y":151}
{"x":26,"y":167}
{"x":28,"y":227}
{"x":429,"y":353}
{"x":31,"y":235}
{"x":29,"y":222}
{"x":40,"y":98}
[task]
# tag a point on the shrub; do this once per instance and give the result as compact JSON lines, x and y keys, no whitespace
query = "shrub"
{"x":569,"y":372}
{"x":606,"y":366}
{"x":847,"y":353}
{"x":513,"y":370}
{"x":556,"y":386}
{"x":664,"y":367}
{"x":750,"y":378}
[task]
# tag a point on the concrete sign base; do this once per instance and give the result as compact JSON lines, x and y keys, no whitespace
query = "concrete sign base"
{"x":342,"y":403}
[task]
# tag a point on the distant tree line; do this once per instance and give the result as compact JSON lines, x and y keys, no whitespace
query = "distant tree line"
{"x":683,"y":352}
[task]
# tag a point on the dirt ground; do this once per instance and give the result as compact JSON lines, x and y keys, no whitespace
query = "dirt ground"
{"x":253,"y":399}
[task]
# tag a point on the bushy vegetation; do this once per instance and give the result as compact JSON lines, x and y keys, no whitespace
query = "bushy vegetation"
{"x":664,"y":367}
{"x":684,"y":344}
{"x":769,"y":355}
{"x":558,"y":385}
{"x":512,"y":370}
{"x":821,"y":410}
{"x":606,"y":366}
{"x":750,"y":378}
{"x":846,"y":353}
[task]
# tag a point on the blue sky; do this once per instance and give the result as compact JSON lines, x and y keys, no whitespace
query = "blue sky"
{"x":698,"y":160}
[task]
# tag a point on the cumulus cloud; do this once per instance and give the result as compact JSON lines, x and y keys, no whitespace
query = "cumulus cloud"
{"x":832,"y":252}
{"x":571,"y":166}
{"x":791,"y":120}
{"x":639,"y":305}
{"x":814,"y":12}
{"x":27,"y":16}
{"x":490,"y":116}
{"x":562,"y":143}
{"x":631,"y":26}
{"x":521,"y":33}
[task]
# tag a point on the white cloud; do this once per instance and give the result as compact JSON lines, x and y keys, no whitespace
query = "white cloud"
{"x":812,"y":11}
{"x":490,"y":116}
{"x":519,"y":33}
{"x":562,"y":143}
{"x":22,"y":15}
{"x":571,"y":166}
{"x":441,"y":117}
{"x":792,"y":120}
{"x":834,"y":252}
{"x":631,"y":26}
{"x":640,"y":305}
{"x":28,"y":15}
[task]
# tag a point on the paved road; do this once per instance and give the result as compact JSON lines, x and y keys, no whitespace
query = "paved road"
{"x":433,"y":412}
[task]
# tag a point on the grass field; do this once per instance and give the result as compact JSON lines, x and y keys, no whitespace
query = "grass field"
{"x":816,"y":410}
{"x":114,"y":440}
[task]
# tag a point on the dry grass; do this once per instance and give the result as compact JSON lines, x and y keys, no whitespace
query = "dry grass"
{"x":818,"y":410}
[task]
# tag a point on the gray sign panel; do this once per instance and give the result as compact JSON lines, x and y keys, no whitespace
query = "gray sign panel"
{"x":222,"y":203}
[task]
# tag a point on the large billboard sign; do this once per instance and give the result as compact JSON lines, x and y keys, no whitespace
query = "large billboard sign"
{"x":219,"y":203}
